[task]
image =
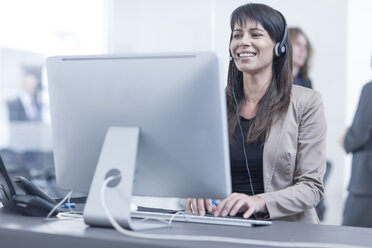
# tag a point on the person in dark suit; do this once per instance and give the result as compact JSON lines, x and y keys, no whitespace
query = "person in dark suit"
{"x":358,"y":141}
{"x":26,"y":107}
{"x":301,"y":55}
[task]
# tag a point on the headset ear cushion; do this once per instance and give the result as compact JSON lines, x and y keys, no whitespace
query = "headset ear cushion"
{"x":279,"y":51}
{"x":282,"y":49}
{"x":276,"y":49}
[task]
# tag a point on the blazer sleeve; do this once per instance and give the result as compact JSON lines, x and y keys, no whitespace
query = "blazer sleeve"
{"x":307,"y":188}
{"x":361,"y":129}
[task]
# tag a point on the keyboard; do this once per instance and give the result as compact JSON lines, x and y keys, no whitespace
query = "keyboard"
{"x":207,"y":219}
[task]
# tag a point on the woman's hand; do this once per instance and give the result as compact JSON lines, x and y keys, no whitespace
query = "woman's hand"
{"x":239,"y":203}
{"x":235,"y":203}
{"x":199,"y":206}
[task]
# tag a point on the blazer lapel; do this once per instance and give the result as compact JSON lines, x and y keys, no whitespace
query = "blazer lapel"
{"x":270,"y":152}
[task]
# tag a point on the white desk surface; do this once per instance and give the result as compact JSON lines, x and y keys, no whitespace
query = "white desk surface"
{"x":23,"y":231}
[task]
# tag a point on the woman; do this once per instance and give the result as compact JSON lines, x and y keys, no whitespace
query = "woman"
{"x":277,"y":131}
{"x":302,"y":52}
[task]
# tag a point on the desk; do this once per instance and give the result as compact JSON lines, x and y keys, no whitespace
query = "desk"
{"x":21,"y":231}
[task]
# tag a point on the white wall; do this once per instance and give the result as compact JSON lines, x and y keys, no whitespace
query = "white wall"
{"x":160,"y":26}
{"x":194,"y":25}
{"x":53,"y":27}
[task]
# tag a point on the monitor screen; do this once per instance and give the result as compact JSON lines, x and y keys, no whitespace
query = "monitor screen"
{"x":176,"y":100}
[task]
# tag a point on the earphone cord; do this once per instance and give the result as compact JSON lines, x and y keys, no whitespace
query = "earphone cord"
{"x":241,"y":129}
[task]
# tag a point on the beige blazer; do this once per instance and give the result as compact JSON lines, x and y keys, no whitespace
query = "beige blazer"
{"x":294,"y":159}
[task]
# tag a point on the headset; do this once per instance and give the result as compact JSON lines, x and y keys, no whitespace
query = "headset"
{"x":279,"y":50}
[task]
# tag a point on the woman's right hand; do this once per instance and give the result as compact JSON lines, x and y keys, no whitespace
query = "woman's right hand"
{"x":199,"y":206}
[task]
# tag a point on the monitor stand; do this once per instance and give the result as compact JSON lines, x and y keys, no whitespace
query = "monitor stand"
{"x":117,"y":159}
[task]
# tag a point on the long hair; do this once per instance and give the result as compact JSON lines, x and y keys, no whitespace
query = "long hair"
{"x":275,"y":101}
{"x":294,"y":32}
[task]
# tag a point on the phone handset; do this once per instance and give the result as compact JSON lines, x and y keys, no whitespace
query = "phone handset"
{"x":30,"y":189}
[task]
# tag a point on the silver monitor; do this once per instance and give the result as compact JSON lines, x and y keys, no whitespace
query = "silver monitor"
{"x":177,"y":101}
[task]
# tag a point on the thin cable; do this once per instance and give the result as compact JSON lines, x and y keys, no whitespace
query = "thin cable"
{"x":68,"y":196}
{"x":241,"y":129}
{"x":201,"y":238}
{"x":175,"y":215}
{"x":69,"y":204}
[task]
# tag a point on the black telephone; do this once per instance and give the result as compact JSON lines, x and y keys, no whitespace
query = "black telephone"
{"x":33,"y":203}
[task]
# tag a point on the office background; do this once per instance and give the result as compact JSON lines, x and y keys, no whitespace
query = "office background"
{"x":337,"y":29}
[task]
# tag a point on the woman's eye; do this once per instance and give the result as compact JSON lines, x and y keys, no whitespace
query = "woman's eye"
{"x":256,"y":34}
{"x":237,"y":36}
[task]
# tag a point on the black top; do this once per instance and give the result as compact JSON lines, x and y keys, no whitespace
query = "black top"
{"x":239,"y":174}
{"x":298,"y":80}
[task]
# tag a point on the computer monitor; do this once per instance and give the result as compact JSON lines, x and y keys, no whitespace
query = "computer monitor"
{"x":177,"y":101}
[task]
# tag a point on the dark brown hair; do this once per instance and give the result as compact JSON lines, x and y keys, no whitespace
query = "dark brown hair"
{"x":275,"y":101}
{"x":304,"y":70}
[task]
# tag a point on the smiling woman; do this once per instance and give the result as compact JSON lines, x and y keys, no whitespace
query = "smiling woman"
{"x":252,"y":47}
{"x":277,"y":131}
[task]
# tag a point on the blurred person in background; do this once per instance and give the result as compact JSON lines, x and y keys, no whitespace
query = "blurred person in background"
{"x":358,"y":141}
{"x":301,"y":56}
{"x":26,"y":106}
